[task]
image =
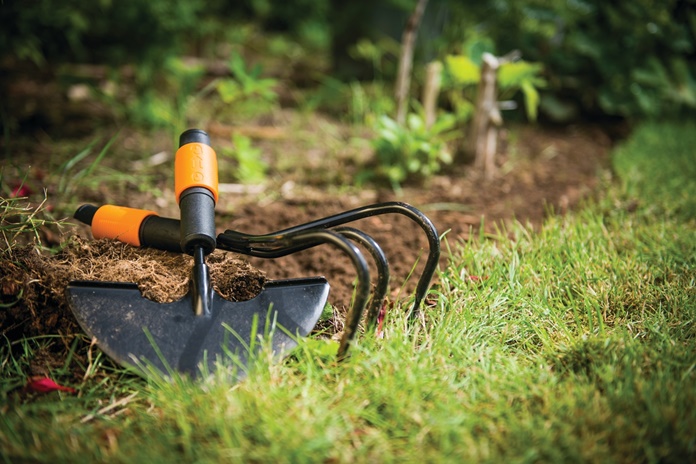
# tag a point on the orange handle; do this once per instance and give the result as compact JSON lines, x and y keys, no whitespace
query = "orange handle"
{"x":195,"y":166}
{"x":120,"y":223}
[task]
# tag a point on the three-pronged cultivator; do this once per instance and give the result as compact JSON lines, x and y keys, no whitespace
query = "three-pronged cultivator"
{"x":202,"y":327}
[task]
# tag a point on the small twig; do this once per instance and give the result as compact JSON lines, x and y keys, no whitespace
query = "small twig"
{"x":88,"y":371}
{"x":122,"y":402}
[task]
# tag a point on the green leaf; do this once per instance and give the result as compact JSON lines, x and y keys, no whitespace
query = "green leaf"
{"x":462,"y":69}
{"x":531,"y":99}
{"x":514,"y":74}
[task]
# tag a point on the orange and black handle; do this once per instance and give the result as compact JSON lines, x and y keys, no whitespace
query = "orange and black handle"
{"x":196,"y":189}
{"x":137,"y":227}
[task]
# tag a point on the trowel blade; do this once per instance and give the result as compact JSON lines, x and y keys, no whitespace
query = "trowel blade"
{"x":167,"y":337}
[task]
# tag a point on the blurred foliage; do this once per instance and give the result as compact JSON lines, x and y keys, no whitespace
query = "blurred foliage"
{"x":165,"y":104}
{"x":100,"y":31}
{"x":462,"y":75}
{"x":249,"y":166}
{"x":382,"y":54}
{"x":246,"y":83}
{"x":355,"y":102}
{"x":303,"y":19}
{"x":631,"y":59}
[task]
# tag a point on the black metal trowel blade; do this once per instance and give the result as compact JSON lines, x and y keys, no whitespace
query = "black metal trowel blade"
{"x":138,"y":332}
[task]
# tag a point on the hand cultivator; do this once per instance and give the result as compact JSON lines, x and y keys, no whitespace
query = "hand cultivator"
{"x":190,"y":335}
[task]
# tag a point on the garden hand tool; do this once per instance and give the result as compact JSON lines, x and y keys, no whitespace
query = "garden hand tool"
{"x":145,"y":228}
{"x":191,"y":334}
{"x":161,"y":233}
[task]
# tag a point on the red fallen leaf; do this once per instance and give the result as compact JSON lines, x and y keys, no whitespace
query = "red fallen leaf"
{"x":475,"y":278}
{"x":21,"y":190}
{"x":45,"y":385}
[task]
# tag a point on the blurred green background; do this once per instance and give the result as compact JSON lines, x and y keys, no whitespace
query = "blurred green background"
{"x":615,"y":60}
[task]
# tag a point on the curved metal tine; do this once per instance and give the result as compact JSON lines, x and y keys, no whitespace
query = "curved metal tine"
{"x":313,"y":237}
{"x":382,"y":286}
{"x":234,"y":241}
{"x":381,"y":263}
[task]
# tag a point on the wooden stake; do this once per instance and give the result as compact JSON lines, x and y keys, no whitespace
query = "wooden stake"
{"x":403,"y":78}
{"x":484,"y":128}
{"x":430,"y":92}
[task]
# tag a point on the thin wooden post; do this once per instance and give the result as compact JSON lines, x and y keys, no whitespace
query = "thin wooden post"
{"x":431,"y":90}
{"x":403,"y":77}
{"x":483,"y":137}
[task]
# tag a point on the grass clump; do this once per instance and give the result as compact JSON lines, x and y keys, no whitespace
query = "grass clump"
{"x":572,"y":343}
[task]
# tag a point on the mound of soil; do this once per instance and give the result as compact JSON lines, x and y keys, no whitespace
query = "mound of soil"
{"x":33,"y":284}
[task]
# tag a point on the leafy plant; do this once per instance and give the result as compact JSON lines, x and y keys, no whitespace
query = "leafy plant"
{"x":409,"y":151}
{"x":250,"y":168}
{"x":463,"y":74}
{"x":247,"y":84}
{"x":523,"y":76}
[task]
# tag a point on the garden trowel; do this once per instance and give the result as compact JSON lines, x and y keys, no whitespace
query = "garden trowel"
{"x":192,"y":334}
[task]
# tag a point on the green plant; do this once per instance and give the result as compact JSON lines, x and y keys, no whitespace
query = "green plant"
{"x":463,"y":73}
{"x":94,"y":168}
{"x":413,"y":150}
{"x":72,"y":174}
{"x":247,"y":84}
{"x":379,"y":53}
{"x":525,"y":77}
{"x":249,"y":167}
{"x":367,"y":101}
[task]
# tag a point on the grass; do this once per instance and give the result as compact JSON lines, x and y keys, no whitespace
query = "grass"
{"x":575,"y":343}
{"x":19,"y":218}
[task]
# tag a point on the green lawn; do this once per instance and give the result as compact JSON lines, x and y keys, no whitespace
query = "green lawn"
{"x":576,"y":343}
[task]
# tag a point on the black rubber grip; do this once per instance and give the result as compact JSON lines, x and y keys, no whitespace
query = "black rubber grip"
{"x":197,"y":206}
{"x":161,"y":233}
{"x":85,"y":214}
